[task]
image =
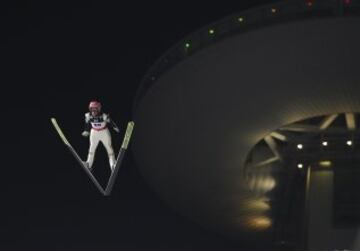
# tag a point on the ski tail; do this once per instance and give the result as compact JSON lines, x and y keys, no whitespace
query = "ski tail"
{"x":124,"y":146}
{"x":74,"y":153}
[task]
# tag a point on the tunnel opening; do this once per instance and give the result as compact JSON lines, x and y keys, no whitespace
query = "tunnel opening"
{"x":307,"y":171}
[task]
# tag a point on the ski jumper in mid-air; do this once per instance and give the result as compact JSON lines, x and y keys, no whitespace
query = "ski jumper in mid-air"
{"x":96,"y":126}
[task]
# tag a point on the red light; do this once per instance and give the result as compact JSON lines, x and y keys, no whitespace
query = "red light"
{"x":309,"y":3}
{"x":347,"y":2}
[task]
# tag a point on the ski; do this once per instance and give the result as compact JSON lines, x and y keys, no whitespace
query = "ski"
{"x":124,"y":146}
{"x":74,"y":153}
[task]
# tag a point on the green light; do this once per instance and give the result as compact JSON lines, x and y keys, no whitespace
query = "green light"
{"x":187,"y":45}
{"x":211,"y":31}
{"x":241,"y":19}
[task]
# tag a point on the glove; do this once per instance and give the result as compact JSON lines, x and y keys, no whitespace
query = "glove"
{"x":85,"y":134}
{"x":116,"y":129}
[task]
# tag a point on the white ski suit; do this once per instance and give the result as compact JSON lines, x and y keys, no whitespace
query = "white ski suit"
{"x":98,"y":127}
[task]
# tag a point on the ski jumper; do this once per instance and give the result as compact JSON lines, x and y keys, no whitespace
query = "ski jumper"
{"x":99,"y":132}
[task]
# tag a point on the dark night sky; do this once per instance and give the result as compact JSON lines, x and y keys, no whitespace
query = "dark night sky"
{"x":54,"y":59}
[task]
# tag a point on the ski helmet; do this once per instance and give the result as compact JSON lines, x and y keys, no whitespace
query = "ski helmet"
{"x":95,"y":104}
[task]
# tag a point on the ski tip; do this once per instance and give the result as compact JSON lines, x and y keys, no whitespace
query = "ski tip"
{"x":130,"y":127}
{"x":128,"y":133}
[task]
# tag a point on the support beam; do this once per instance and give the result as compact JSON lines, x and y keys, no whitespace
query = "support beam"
{"x":350,"y":121}
{"x":328,"y":120}
{"x":279,"y":136}
{"x":273,"y":146}
{"x":299,"y":128}
{"x":265,"y":162}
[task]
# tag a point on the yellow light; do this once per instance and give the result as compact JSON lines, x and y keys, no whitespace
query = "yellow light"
{"x":259,"y":222}
{"x":325,"y":163}
{"x":262,"y":222}
{"x":258,"y":205}
{"x":349,"y":143}
{"x":268,"y":184}
{"x":300,"y":166}
{"x":324,"y":143}
{"x":300,"y":146}
{"x":211,"y":31}
{"x":273,"y":10}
